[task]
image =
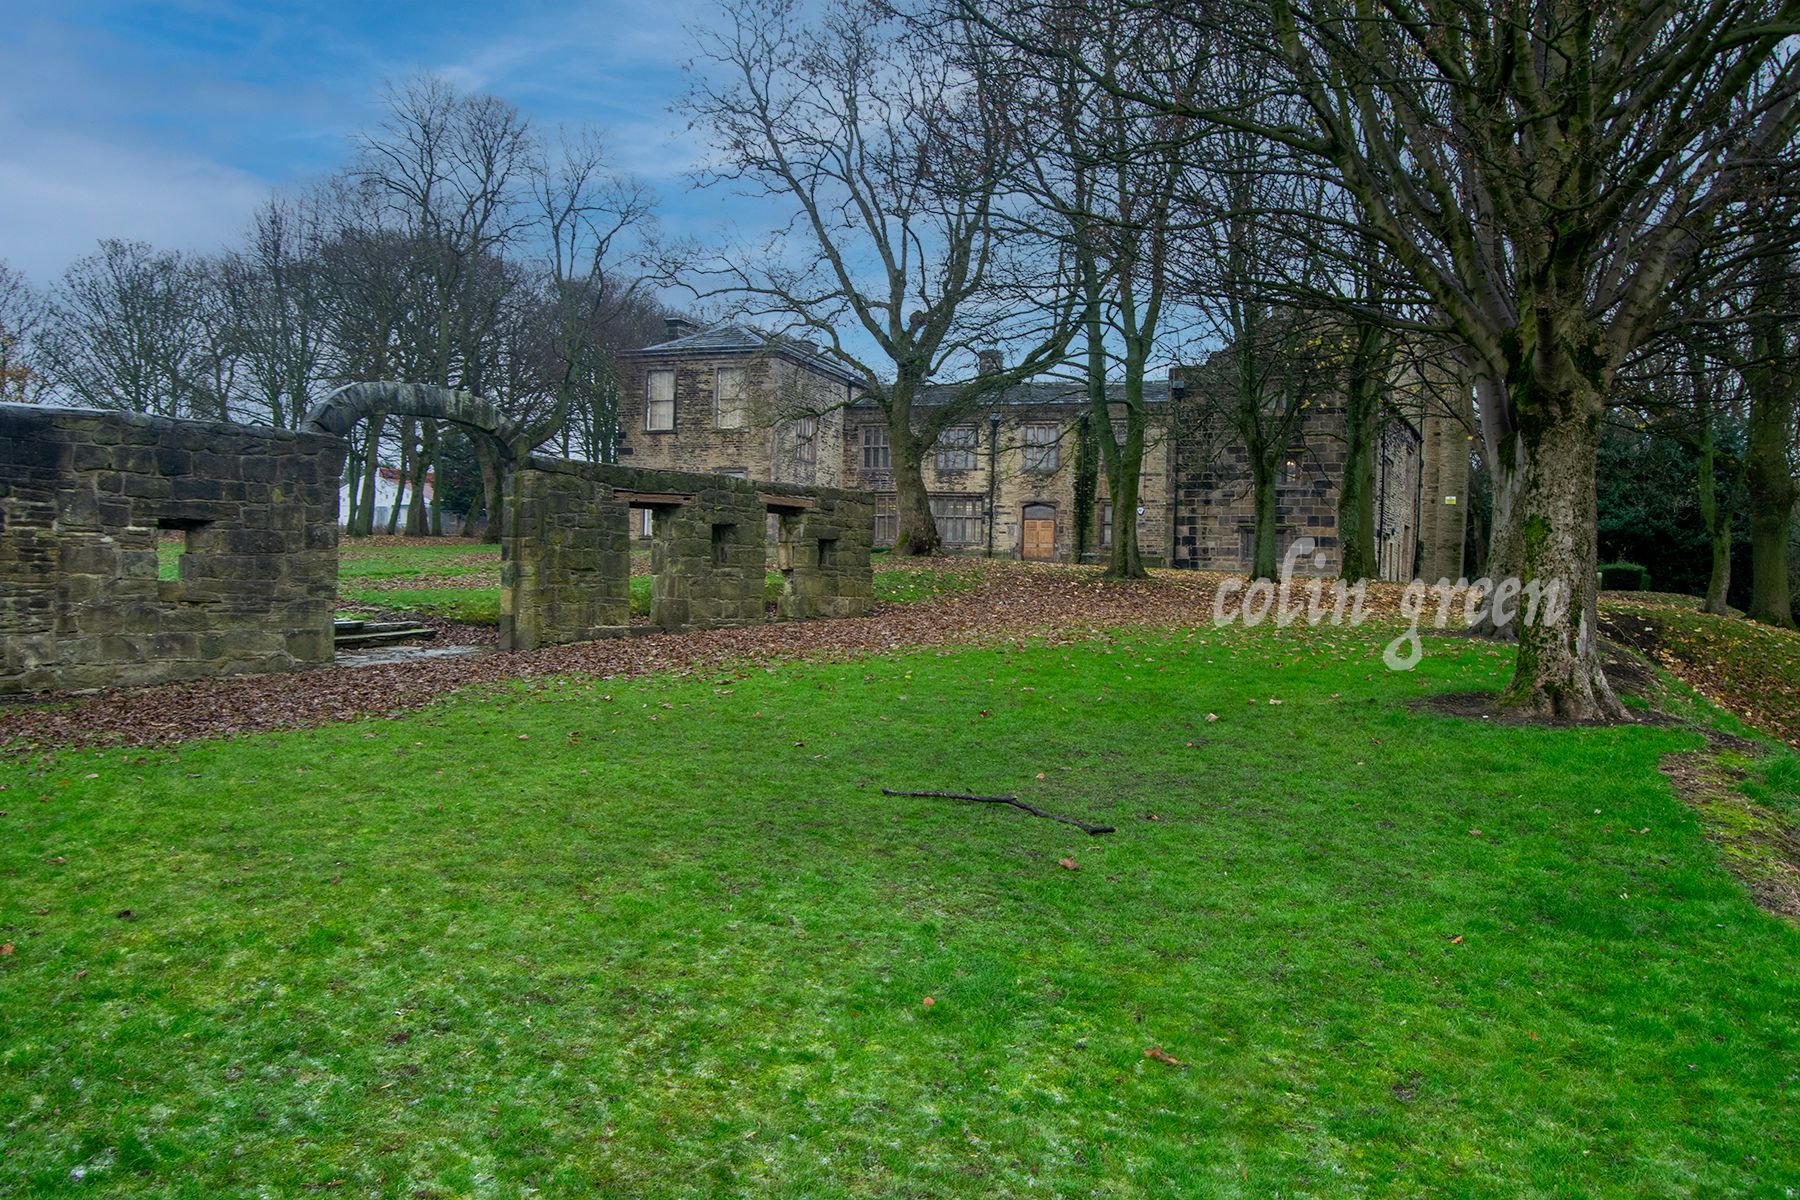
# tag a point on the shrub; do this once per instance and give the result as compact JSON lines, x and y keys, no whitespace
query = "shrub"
{"x":1624,"y":577}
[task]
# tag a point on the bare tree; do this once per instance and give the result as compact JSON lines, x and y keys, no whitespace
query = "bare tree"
{"x":275,"y":294}
{"x":1105,"y":171}
{"x":450,"y":170}
{"x":891,"y":155}
{"x":1544,"y":171}
{"x":126,"y":330}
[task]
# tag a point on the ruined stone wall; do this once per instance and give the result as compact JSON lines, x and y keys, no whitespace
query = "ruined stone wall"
{"x":84,"y":498}
{"x":566,"y":550}
{"x":823,"y":556}
{"x":565,"y":559}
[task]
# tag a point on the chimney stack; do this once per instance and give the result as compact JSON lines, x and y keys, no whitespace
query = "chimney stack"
{"x":991,"y":362}
{"x":679,"y":327}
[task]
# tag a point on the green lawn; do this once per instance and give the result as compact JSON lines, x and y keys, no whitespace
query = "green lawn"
{"x":437,"y":578}
{"x":665,"y":938}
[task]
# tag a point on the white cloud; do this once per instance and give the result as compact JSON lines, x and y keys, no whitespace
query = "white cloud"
{"x":62,"y":191}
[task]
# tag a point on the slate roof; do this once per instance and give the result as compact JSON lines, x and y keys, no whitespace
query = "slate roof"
{"x":738,"y":339}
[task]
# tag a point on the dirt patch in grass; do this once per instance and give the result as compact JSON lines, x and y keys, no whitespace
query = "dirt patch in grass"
{"x":1630,"y":676}
{"x":1756,"y":843}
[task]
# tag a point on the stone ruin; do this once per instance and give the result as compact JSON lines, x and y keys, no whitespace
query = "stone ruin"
{"x":86,"y":496}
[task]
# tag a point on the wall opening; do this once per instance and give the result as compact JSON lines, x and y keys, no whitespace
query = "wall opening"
{"x":828,"y":552}
{"x":178,"y":541}
{"x":721,"y":545}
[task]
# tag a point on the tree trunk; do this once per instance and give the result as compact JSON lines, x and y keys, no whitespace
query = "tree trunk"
{"x":1087,"y":478}
{"x":1557,"y":674}
{"x":490,"y":487}
{"x":1356,"y":497}
{"x":917,"y":531}
{"x":1123,"y":483}
{"x":405,"y":469}
{"x":1262,"y":482}
{"x":1770,"y":490}
{"x":371,"y":456}
{"x":1124,"y":480}
{"x":415,"y":511}
{"x":1719,"y":582}
{"x":352,"y":487}
{"x":1505,"y":556}
{"x":1716,"y":517}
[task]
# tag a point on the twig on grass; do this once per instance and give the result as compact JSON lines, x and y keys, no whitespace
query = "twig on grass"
{"x":1093,"y":830}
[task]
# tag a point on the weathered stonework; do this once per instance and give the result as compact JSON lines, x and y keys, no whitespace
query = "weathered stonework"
{"x":84,"y":497}
{"x":566,"y":551}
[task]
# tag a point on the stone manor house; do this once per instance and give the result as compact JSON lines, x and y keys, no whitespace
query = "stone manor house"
{"x":733,"y":401}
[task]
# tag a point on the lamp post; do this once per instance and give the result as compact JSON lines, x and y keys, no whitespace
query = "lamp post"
{"x":993,"y":474}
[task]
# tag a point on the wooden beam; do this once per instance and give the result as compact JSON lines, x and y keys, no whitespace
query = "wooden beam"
{"x":790,"y":503}
{"x":653,"y":499}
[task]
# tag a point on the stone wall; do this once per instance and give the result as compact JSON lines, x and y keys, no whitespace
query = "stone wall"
{"x":85,"y":497}
{"x":823,"y":556}
{"x":1216,"y":511}
{"x":565,"y":559}
{"x":566,"y":551}
{"x":1447,"y":424}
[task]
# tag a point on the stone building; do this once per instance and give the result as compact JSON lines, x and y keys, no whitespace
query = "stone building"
{"x":1003,"y":481}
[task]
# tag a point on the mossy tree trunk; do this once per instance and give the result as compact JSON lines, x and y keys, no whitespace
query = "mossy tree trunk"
{"x":1558,"y":673}
{"x":1769,"y":476}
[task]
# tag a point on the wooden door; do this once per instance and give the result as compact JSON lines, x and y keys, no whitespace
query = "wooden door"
{"x":1037,"y":539}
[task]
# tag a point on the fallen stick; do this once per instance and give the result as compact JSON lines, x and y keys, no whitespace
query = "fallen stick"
{"x":1092,"y":830}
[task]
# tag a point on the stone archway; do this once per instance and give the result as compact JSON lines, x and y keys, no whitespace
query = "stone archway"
{"x":501,"y":443}
{"x":339,"y":412}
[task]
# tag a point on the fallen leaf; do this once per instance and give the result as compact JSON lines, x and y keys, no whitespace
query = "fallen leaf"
{"x":1067,"y":864}
{"x":1040,"y":774}
{"x":1456,"y":940}
{"x":928,"y":1002}
{"x":5,"y":949}
{"x":1161,"y":1056}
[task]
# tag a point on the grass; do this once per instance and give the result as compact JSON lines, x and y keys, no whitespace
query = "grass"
{"x":438,"y":574}
{"x":471,"y":606}
{"x":1752,"y":668}
{"x":665,"y":938}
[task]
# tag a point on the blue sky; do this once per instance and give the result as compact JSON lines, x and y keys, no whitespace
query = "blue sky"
{"x":171,"y":122}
